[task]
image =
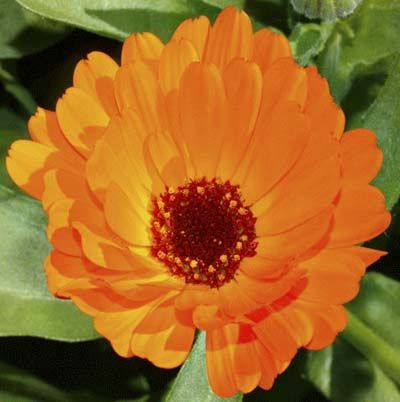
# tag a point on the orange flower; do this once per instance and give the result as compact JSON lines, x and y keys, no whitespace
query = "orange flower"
{"x":205,"y":183}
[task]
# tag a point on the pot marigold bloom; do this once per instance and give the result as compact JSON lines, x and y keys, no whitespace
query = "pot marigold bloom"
{"x":205,"y":184}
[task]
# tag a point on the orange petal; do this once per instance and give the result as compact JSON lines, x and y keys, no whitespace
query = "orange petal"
{"x":208,"y":317}
{"x":298,"y":197}
{"x":219,"y":363}
{"x":326,"y":118}
{"x":106,"y":252}
{"x":202,"y":105}
{"x":64,"y":214}
{"x":333,"y":276}
{"x":101,"y":168}
{"x":277,"y":143}
{"x":259,"y":267}
{"x":233,"y":362}
{"x":129,"y":146}
{"x":269,"y":366}
{"x":61,"y":184}
{"x":367,"y":255}
{"x":165,"y":165}
{"x":96,"y":77}
{"x":195,"y":295}
{"x":230,"y":37}
{"x":269,"y":47}
{"x":327,"y":322}
{"x":359,"y":216}
{"x":118,"y":327}
{"x":326,"y":122}
{"x":82,"y":119}
{"x":147,"y":274}
{"x":176,"y":56}
{"x":234,"y":301}
{"x":44,"y":128}
{"x":243,"y":87}
{"x":63,"y":270}
{"x":297,"y":240}
{"x":120,"y":319}
{"x":94,"y":300}
{"x":118,"y":157}
{"x":123,"y":219}
{"x":276,"y":335}
{"x":247,"y":366}
{"x":265,"y":292}
{"x":297,"y":323}
{"x":160,"y":338}
{"x":56,"y":279}
{"x":283,"y":81}
{"x":142,"y":46}
{"x":361,"y":157}
{"x":28,"y":162}
{"x":194,"y":30}
{"x":137,"y":88}
{"x":59,"y":230}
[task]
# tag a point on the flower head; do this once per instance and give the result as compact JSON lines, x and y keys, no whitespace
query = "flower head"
{"x":205,"y":184}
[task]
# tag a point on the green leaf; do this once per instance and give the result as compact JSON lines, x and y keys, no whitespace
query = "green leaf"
{"x":225,"y":3}
{"x":27,"y":308}
{"x":308,"y":40}
{"x":23,"y":33}
{"x":357,"y":43}
{"x":383,"y":117}
{"x":325,"y":9}
{"x":191,"y":384}
{"x":119,"y":18}
{"x":15,"y":89}
{"x":270,"y":13}
{"x":376,"y":310}
{"x":341,"y":374}
{"x":17,"y":385}
{"x":363,"y":365}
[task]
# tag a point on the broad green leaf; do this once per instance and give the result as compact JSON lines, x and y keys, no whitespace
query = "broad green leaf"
{"x":325,"y":9}
{"x":383,"y":117}
{"x":376,"y":310}
{"x":363,"y":365}
{"x":15,"y":89}
{"x":341,"y":374}
{"x":119,"y":18}
{"x":23,"y":33}
{"x":27,"y":308}
{"x":191,"y":384}
{"x":362,"y":40}
{"x":270,"y":13}
{"x":91,"y":369}
{"x":225,"y":3}
{"x":145,"y":398}
{"x":17,"y":385}
{"x":308,"y":40}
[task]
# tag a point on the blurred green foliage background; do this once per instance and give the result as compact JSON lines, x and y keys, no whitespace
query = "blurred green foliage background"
{"x":49,"y":352}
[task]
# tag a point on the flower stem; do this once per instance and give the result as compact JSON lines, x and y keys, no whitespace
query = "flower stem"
{"x":363,"y":338}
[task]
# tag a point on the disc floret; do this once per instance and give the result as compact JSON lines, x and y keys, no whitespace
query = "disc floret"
{"x":202,"y":231}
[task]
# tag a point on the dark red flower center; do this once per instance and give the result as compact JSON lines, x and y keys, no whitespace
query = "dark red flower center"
{"x":202,"y":231}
